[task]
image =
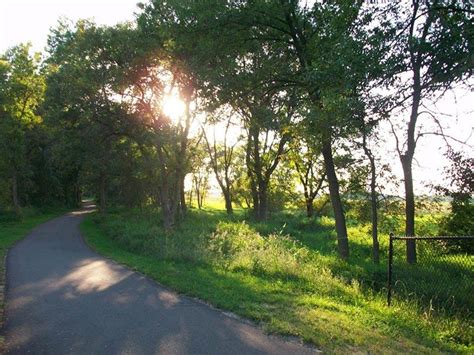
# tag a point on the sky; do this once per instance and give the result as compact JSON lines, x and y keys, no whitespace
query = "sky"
{"x":30,"y":21}
{"x":455,"y":113}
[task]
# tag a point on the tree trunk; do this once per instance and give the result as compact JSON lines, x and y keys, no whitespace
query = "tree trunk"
{"x":66,"y":193}
{"x":165,"y":212}
{"x":15,"y":198}
{"x":182,"y":197}
{"x":228,"y":202}
{"x":176,"y":199}
{"x":167,"y":215}
{"x":190,"y":201}
{"x":202,"y":199}
{"x":255,"y":200}
{"x":416,"y":58}
{"x":262,"y":214}
{"x":157,"y":192}
{"x":309,"y":207}
{"x":409,"y":208}
{"x":341,"y":230}
{"x":167,"y":206}
{"x":77,"y":195}
{"x":250,"y":174}
{"x":407,"y":162}
{"x":103,"y":193}
{"x":198,"y":193}
{"x":373,"y":203}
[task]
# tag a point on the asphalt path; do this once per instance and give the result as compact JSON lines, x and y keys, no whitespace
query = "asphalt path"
{"x":63,"y":298}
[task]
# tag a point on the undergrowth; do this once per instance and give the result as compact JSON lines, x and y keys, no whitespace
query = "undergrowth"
{"x":285,"y":274}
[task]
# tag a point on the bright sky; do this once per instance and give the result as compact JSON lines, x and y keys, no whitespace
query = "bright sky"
{"x":30,"y":20}
{"x":455,"y":113}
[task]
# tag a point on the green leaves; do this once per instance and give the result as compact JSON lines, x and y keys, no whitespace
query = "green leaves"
{"x":22,"y":87}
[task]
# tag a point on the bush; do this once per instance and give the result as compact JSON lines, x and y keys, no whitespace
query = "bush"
{"x":460,"y":222}
{"x":238,"y":247}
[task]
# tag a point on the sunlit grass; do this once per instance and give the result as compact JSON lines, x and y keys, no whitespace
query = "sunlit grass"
{"x":12,"y":229}
{"x":283,"y":273}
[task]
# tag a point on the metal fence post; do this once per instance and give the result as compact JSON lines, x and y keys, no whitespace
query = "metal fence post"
{"x":389,"y":276}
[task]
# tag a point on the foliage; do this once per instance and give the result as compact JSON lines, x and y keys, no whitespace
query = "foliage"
{"x":460,"y":175}
{"x":22,"y":88}
{"x":303,"y":83}
{"x":432,"y":52}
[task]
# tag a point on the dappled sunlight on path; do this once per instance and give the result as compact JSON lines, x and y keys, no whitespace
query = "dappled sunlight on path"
{"x":89,"y":276}
{"x":64,"y":298}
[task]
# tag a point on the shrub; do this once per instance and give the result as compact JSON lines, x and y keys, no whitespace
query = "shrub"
{"x":236,"y":246}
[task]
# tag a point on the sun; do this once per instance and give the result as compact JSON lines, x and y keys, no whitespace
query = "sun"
{"x":173,"y":107}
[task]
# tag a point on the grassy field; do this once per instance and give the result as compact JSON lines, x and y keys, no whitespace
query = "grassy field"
{"x":12,"y":230}
{"x":283,"y":274}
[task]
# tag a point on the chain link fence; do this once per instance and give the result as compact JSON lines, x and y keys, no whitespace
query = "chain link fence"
{"x":441,"y":279}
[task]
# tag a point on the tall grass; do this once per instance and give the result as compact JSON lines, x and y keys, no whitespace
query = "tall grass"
{"x":285,"y":274}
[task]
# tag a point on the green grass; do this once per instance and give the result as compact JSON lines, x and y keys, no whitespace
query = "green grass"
{"x":13,"y":230}
{"x":284,"y":274}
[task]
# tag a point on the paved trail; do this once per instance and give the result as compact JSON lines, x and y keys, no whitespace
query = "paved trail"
{"x":62,"y":298}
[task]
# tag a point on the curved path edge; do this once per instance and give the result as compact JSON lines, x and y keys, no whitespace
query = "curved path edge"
{"x":63,"y":297}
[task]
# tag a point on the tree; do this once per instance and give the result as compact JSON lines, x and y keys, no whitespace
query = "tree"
{"x":460,"y":175}
{"x":434,"y":47}
{"x":22,"y":88}
{"x":286,"y":49}
{"x":265,"y":147}
{"x":170,"y":140}
{"x":90,"y":69}
{"x":306,"y":159}
{"x":222,"y":159}
{"x":238,"y":73}
{"x":373,"y":196}
{"x":241,"y":185}
{"x":313,"y":36}
{"x":201,"y":185}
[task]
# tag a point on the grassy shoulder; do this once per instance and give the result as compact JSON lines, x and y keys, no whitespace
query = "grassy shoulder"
{"x":290,"y":285}
{"x":11,"y":231}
